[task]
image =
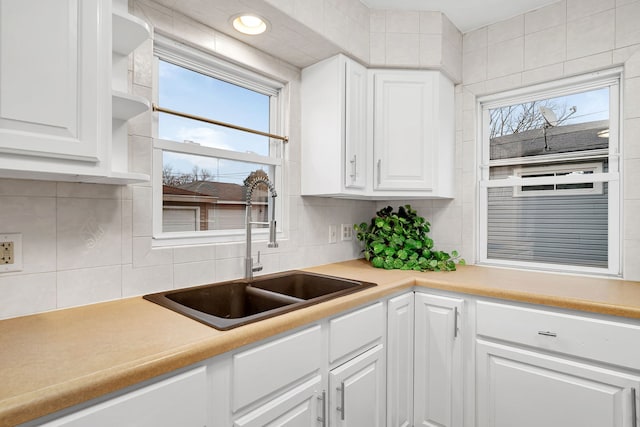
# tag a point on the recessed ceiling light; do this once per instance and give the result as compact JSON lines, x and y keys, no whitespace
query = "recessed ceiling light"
{"x":249,"y":24}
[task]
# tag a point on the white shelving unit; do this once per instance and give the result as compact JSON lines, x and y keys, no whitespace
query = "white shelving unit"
{"x":128,"y":32}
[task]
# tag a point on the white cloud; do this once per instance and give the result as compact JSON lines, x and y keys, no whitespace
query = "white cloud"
{"x":204,"y":136}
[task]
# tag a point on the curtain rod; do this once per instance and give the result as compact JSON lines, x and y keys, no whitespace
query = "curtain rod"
{"x":215,"y":122}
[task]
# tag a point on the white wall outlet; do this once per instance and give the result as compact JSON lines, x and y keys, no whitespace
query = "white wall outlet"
{"x":333,"y":233}
{"x":10,"y":252}
{"x":347,"y":232}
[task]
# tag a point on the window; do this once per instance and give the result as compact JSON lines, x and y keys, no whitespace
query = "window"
{"x":549,"y":176}
{"x":200,"y":169}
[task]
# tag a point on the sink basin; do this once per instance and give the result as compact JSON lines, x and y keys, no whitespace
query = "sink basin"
{"x":230,"y":304}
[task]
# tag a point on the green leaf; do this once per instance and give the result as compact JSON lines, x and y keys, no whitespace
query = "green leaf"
{"x":378,"y":247}
{"x":402,"y":254}
{"x":377,"y":262}
{"x":433,"y":263}
{"x":398,"y":263}
{"x":389,"y":251}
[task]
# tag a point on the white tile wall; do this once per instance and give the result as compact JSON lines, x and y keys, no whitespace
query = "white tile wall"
{"x":545,"y":47}
{"x":591,"y":34}
{"x":627,"y":28}
{"x":414,"y":39}
{"x":89,"y":285}
{"x":546,"y":17}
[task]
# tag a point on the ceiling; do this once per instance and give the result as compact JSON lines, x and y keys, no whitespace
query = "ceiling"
{"x":467,"y":15}
{"x":295,"y":43}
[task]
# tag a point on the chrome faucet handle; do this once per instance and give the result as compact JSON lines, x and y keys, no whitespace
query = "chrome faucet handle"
{"x":257,"y":266}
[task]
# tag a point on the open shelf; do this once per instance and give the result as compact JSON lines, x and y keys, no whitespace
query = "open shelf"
{"x":126,"y":106}
{"x":129,"y":32}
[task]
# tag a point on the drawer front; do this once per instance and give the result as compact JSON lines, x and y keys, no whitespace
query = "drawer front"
{"x":591,"y":338}
{"x":354,"y":331}
{"x":180,"y":400}
{"x":272,"y":366}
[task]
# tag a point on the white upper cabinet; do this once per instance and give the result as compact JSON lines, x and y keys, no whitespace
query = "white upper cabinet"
{"x":53,"y":79}
{"x":413,"y":132}
{"x":334,"y":127}
{"x":378,"y":133}
{"x":56,"y":91}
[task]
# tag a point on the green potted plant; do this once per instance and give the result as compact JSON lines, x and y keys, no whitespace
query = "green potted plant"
{"x":399,"y":240}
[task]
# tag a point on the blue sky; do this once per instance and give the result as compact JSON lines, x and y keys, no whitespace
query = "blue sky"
{"x":590,"y":106}
{"x":190,"y":92}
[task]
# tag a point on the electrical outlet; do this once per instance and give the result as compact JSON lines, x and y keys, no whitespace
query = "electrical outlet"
{"x":333,"y":233}
{"x":347,"y":232}
{"x":10,"y":252}
{"x":6,"y":253}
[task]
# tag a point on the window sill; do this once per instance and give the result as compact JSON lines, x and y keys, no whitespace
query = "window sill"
{"x":166,"y":240}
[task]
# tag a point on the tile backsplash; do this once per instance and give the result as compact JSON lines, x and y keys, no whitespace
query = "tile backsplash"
{"x":81,"y":245}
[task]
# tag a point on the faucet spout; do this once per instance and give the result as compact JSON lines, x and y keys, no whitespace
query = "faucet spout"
{"x":250,"y":268}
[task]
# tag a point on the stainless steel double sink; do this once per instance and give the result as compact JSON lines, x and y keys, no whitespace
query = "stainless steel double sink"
{"x":227,"y":305}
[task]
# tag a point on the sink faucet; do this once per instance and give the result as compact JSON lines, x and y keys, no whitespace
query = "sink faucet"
{"x":250,"y":267}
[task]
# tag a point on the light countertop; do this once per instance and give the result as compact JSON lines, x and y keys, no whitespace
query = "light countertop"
{"x":58,"y":359}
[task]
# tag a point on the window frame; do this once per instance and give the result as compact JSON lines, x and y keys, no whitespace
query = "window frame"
{"x":612,"y":78}
{"x":210,"y":64}
{"x":522,"y":172}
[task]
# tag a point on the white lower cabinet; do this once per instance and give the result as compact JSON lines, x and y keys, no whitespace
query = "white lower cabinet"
{"x":260,"y":371}
{"x":545,"y":367}
{"x":523,"y":388}
{"x":357,"y":391}
{"x":300,"y":407}
{"x":438,"y":379}
{"x":180,"y":400}
{"x":328,"y":374}
{"x":400,"y":333}
{"x":424,"y":361}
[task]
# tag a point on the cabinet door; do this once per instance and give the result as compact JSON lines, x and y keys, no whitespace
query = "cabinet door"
{"x":438,"y":361}
{"x":516,"y":387}
{"x":400,"y":361}
{"x":300,"y":407}
{"x":357,"y":391}
{"x":355,"y":125}
{"x":54,"y":83}
{"x":403,"y":137}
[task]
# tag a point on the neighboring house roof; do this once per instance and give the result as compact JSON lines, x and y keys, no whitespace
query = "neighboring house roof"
{"x":560,"y":139}
{"x":220,"y":190}
{"x":214,"y":192}
{"x":168,"y":189}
